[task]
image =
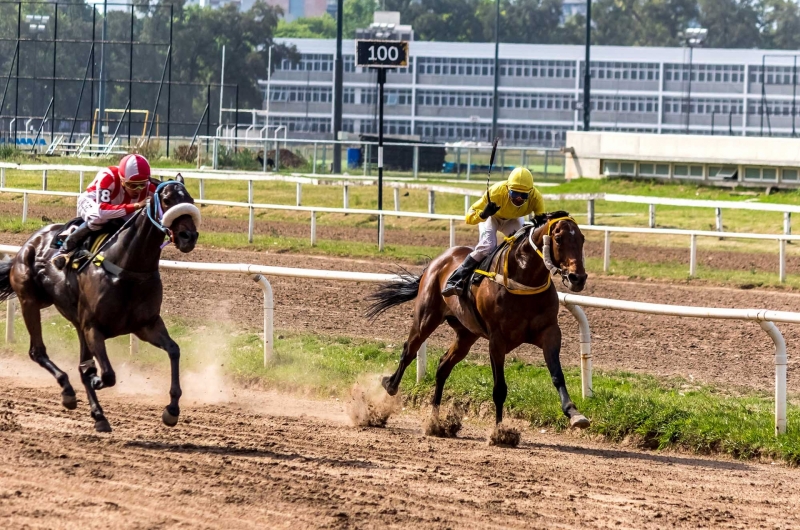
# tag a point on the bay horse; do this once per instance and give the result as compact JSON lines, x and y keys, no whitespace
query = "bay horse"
{"x":516,"y":303}
{"x":117,"y":293}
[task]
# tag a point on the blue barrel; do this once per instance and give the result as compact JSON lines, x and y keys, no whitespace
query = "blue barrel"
{"x":353,"y":157}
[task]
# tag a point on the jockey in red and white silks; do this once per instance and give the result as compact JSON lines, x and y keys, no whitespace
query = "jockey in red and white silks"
{"x":116,"y":192}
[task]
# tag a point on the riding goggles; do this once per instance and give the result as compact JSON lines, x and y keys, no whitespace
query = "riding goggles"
{"x":136,"y":185}
{"x":518,"y":195}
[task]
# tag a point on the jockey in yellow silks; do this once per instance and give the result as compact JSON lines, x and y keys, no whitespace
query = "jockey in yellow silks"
{"x":501,"y":209}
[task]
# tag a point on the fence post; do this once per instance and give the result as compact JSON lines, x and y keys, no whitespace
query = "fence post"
{"x":24,"y":207}
{"x":652,"y":221}
{"x":325,"y":157}
{"x":452,"y":233}
{"x":380,"y":233}
{"x":416,"y":161}
{"x":546,"y":155}
{"x":299,"y":194}
{"x":782,"y":265}
{"x":693,"y":256}
{"x":458,"y":162}
{"x":586,"y":349}
{"x":467,"y":204}
{"x":524,"y":158}
{"x":80,"y":182}
{"x":314,"y":169}
{"x":502,"y":164}
{"x":780,"y":375}
{"x":606,"y":250}
{"x":366,"y":158}
{"x":396,"y":192}
{"x":3,"y":177}
{"x":251,"y":221}
{"x":469,"y":162}
{"x":215,"y":154}
{"x":718,"y":214}
{"x":345,"y":197}
{"x":10,"y":320}
{"x":202,"y":189}
{"x":250,"y":192}
{"x":269,"y":307}
{"x":265,"y":157}
{"x":44,"y":180}
{"x":590,"y":211}
{"x":787,"y":223}
{"x":422,"y":361}
{"x":277,"y":156}
{"x":313,"y":228}
{"x":431,"y":202}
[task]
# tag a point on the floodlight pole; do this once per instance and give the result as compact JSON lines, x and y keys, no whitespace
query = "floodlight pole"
{"x":338,"y":89}
{"x":102,"y":95}
{"x":587,"y":74}
{"x":496,"y":98}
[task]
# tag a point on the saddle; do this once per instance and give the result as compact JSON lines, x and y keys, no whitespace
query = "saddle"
{"x":88,"y":246}
{"x":487,"y":264}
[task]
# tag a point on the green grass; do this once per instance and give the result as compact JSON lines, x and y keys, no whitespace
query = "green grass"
{"x":654,"y":413}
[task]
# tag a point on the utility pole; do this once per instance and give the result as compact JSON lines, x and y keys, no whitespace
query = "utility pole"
{"x":102,"y":95}
{"x":587,"y":70}
{"x":496,"y":99}
{"x":692,"y":37}
{"x":338,"y":89}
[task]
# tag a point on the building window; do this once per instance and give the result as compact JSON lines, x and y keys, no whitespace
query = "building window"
{"x":760,"y":173}
{"x":789,"y":175}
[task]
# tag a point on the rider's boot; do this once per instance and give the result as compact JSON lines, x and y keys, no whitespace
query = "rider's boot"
{"x":70,"y":244}
{"x":457,"y":281}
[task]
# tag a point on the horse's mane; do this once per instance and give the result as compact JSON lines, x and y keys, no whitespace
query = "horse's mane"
{"x":539,"y":220}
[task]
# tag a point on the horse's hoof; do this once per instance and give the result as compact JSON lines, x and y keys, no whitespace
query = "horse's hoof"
{"x":168,"y":419}
{"x":579,"y":421}
{"x":386,"y":382}
{"x":70,"y":402}
{"x":109,"y":379}
{"x":97,"y":383}
{"x":102,"y":425}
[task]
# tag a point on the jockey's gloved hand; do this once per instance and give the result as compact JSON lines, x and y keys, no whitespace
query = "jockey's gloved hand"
{"x":489,"y":210}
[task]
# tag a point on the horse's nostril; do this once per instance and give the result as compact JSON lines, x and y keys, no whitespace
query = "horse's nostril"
{"x":576,"y":278}
{"x":185,"y":235}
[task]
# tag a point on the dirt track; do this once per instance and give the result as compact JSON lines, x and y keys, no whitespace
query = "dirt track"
{"x":294,"y":463}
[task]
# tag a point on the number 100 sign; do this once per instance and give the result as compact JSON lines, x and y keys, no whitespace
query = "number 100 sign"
{"x":382,"y":53}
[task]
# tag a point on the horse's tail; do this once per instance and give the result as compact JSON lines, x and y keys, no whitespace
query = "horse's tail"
{"x":393,"y":293}
{"x":6,"y":291}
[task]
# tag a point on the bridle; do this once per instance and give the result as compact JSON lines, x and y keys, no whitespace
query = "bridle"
{"x":546,"y":253}
{"x":162,"y":219}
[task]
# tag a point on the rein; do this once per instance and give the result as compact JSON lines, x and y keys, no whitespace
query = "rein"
{"x":159,"y":212}
{"x":515,"y":287}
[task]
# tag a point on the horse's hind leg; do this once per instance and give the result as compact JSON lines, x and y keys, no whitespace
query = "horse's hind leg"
{"x":93,"y":345}
{"x":551,"y":347}
{"x":158,"y":336}
{"x":458,"y":350}
{"x":426,"y":320}
{"x":38,"y":352}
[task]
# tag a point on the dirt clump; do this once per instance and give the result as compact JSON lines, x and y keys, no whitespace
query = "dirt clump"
{"x":505,"y":435}
{"x":370,"y":406}
{"x":447,"y":427}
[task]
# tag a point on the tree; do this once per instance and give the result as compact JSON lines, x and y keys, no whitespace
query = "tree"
{"x":323,"y":27}
{"x":731,"y":23}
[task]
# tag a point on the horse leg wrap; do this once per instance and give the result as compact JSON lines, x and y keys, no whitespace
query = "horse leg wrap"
{"x":87,"y":367}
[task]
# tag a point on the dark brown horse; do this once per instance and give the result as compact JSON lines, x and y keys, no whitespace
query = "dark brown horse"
{"x":118,"y":294}
{"x":516,"y":304}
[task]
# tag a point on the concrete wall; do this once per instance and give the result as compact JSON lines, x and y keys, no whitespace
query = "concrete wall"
{"x":587,"y":150}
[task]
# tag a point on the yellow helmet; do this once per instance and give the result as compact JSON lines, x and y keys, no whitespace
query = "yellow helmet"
{"x":520,"y":180}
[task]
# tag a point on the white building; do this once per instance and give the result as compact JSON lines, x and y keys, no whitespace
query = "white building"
{"x":446,"y":93}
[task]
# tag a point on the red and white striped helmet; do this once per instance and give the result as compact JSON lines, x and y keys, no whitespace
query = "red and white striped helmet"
{"x":134,"y":168}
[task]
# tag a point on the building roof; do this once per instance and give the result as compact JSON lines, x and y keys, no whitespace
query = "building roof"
{"x":485,"y":50}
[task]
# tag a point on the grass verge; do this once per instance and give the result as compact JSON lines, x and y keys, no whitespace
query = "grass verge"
{"x":646,"y":411}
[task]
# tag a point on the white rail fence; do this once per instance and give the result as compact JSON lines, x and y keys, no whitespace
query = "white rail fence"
{"x":692,"y":235}
{"x":573,"y":303}
{"x":405,"y":183}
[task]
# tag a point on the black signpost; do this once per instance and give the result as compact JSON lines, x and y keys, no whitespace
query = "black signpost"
{"x":381,"y":54}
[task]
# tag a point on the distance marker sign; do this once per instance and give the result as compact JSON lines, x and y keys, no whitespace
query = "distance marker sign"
{"x":382,"y":53}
